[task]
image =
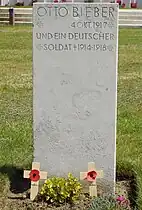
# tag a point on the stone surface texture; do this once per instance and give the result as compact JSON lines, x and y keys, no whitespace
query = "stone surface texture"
{"x":75,"y":87}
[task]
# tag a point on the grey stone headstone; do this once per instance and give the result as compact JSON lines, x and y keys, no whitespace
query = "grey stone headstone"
{"x":75,"y":53}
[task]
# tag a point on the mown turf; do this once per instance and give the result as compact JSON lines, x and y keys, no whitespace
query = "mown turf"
{"x":16,"y":147}
{"x":129,"y":130}
{"x":16,"y":144}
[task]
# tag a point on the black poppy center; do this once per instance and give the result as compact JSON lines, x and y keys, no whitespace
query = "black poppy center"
{"x":92,"y":175}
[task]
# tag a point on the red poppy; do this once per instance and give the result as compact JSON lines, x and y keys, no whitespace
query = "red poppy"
{"x":134,"y":5}
{"x":91,"y":176}
{"x":123,"y":5}
{"x":34,"y":175}
{"x":119,"y":2}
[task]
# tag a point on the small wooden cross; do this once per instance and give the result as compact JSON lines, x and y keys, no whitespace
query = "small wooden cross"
{"x":35,"y":175}
{"x":91,"y":175}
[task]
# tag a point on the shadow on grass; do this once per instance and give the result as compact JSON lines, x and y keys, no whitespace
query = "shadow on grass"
{"x":133,"y":191}
{"x":17,"y":183}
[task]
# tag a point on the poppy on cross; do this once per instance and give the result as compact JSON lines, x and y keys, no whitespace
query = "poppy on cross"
{"x":35,"y":175}
{"x":91,"y":175}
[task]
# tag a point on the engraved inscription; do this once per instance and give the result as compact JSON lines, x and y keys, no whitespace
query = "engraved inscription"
{"x":96,"y":41}
{"x":88,"y":11}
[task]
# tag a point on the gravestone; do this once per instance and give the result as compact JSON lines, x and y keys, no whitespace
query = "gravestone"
{"x":75,"y":53}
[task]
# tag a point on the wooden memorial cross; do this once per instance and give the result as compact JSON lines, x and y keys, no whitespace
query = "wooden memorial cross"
{"x":91,"y":176}
{"x":35,"y":175}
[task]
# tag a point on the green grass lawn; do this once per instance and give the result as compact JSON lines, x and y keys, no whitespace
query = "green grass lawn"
{"x":16,"y":144}
{"x":129,"y":130}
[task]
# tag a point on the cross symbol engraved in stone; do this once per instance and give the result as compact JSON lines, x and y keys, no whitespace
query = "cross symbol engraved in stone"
{"x":91,"y":176}
{"x":75,"y":47}
{"x":35,"y":175}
